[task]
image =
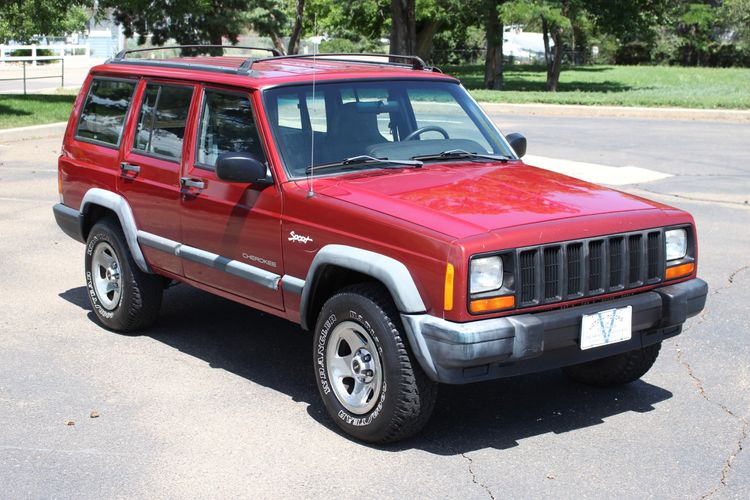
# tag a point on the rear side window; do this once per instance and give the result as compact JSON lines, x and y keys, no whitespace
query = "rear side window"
{"x":162,"y":120}
{"x":104,"y":111}
{"x":227,"y":126}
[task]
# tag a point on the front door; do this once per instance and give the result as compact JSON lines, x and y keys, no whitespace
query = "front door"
{"x":231,"y":231}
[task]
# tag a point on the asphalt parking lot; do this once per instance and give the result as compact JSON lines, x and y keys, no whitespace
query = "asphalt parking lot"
{"x":219,"y":400}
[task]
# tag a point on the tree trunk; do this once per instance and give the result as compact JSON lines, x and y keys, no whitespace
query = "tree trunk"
{"x":278,"y":42}
{"x":424,"y":38}
{"x":493,"y":61}
{"x":553,"y":71}
{"x":297,"y":28}
{"x":403,"y":27}
{"x":545,"y":37}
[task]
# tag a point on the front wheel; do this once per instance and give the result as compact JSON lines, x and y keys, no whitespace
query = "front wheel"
{"x":370,"y":384}
{"x":615,"y":370}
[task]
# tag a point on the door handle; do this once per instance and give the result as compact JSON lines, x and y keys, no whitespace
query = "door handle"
{"x":192,"y":183}
{"x":129,"y":167}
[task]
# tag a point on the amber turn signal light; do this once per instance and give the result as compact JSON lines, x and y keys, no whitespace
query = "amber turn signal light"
{"x":679,"y":271}
{"x":448,"y":297}
{"x":493,"y":304}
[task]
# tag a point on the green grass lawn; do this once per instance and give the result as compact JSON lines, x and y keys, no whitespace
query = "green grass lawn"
{"x":651,"y":86}
{"x":34,"y":109}
{"x":617,"y":85}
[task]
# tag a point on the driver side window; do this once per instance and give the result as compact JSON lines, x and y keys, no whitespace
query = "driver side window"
{"x":226,"y":126}
{"x":438,"y":107}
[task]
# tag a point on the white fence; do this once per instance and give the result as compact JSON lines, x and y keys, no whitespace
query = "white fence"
{"x":59,"y":52}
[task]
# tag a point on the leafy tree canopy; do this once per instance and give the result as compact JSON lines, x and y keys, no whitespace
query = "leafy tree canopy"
{"x":23,"y":20}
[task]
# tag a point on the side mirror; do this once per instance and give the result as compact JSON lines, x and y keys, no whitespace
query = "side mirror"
{"x":241,"y":167}
{"x":518,"y":143}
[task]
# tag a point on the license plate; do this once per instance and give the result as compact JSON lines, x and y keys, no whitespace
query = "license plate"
{"x":606,"y":327}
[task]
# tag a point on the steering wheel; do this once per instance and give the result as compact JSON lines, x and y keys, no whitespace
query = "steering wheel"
{"x":422,"y":130}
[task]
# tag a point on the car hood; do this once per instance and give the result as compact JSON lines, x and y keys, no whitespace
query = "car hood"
{"x":461,"y":199}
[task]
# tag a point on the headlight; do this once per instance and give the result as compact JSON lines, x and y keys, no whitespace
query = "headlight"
{"x":486,"y":274}
{"x":676,"y":244}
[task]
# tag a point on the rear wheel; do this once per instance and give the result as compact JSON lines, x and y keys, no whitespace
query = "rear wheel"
{"x":123,"y":297}
{"x":370,"y":384}
{"x":615,"y":370}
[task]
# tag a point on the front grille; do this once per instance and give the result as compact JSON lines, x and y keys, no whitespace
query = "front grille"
{"x":590,"y":267}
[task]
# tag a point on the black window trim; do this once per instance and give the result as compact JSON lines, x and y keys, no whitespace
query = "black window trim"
{"x":238,"y":92}
{"x":125,"y":122}
{"x":157,"y":156}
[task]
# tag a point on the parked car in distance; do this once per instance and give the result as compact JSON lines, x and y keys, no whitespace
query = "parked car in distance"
{"x":370,"y":200}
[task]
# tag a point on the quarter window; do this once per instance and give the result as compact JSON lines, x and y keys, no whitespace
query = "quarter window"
{"x":162,"y":120}
{"x":227,"y":126}
{"x":104,"y":111}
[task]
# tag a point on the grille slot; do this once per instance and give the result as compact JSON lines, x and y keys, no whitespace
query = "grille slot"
{"x":551,"y":273}
{"x":635,"y":252}
{"x":653,"y":256}
{"x":527,"y":264}
{"x":596,"y":265}
{"x":585,"y":268}
{"x":574,"y":268}
{"x":616,"y":256}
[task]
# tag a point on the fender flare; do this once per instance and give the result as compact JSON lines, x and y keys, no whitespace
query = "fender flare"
{"x":118,"y":204}
{"x":392,"y":273}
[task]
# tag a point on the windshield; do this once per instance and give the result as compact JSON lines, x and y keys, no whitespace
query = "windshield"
{"x":386,"y":120}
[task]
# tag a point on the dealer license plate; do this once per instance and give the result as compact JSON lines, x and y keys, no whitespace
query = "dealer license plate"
{"x":606,"y":327}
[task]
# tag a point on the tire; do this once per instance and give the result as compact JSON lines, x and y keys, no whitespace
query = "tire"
{"x":358,"y":330}
{"x":615,"y":370}
{"x":123,"y":301}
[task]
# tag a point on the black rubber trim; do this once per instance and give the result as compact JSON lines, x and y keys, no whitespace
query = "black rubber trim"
{"x":528,"y":343}
{"x":70,"y":221}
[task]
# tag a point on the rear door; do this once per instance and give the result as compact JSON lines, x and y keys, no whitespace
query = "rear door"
{"x":154,"y":151}
{"x":91,"y":157}
{"x":233,"y":229}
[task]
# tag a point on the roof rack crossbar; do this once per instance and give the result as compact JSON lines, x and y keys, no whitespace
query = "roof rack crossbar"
{"x":415,"y":62}
{"x":124,"y":53}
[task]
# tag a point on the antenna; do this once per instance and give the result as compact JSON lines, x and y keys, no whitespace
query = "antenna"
{"x":311,"y":176}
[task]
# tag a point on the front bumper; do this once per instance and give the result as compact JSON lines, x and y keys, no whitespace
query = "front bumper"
{"x":458,"y":353}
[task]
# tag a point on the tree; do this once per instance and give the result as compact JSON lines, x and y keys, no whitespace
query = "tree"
{"x":299,"y":11}
{"x":23,"y":20}
{"x":194,"y":22}
{"x":555,"y":18}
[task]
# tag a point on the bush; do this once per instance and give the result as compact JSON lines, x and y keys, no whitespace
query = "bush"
{"x":336,"y":45}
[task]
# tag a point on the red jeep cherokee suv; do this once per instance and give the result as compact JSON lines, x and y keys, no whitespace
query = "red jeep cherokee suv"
{"x":374,"y":203}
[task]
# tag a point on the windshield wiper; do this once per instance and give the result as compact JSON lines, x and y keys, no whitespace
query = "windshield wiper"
{"x":461,"y":153}
{"x":361,"y":160}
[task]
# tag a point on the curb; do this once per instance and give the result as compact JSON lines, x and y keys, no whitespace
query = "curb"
{"x":728,"y":115}
{"x":33,"y":132}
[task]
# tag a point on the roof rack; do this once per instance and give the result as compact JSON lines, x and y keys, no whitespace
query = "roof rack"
{"x":121,"y":58}
{"x":245,"y":68}
{"x":416,"y":63}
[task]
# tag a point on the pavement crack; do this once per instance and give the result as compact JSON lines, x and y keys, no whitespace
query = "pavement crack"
{"x":727,"y":467}
{"x":470,"y":462}
{"x":474,"y":476}
{"x":698,"y":383}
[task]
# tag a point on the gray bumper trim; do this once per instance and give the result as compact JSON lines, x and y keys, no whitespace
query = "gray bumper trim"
{"x":479,"y":350}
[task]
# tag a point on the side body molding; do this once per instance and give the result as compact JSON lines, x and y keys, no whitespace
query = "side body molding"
{"x":389,"y":271}
{"x":118,"y":204}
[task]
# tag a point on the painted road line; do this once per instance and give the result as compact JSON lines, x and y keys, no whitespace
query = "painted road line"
{"x":598,"y":174}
